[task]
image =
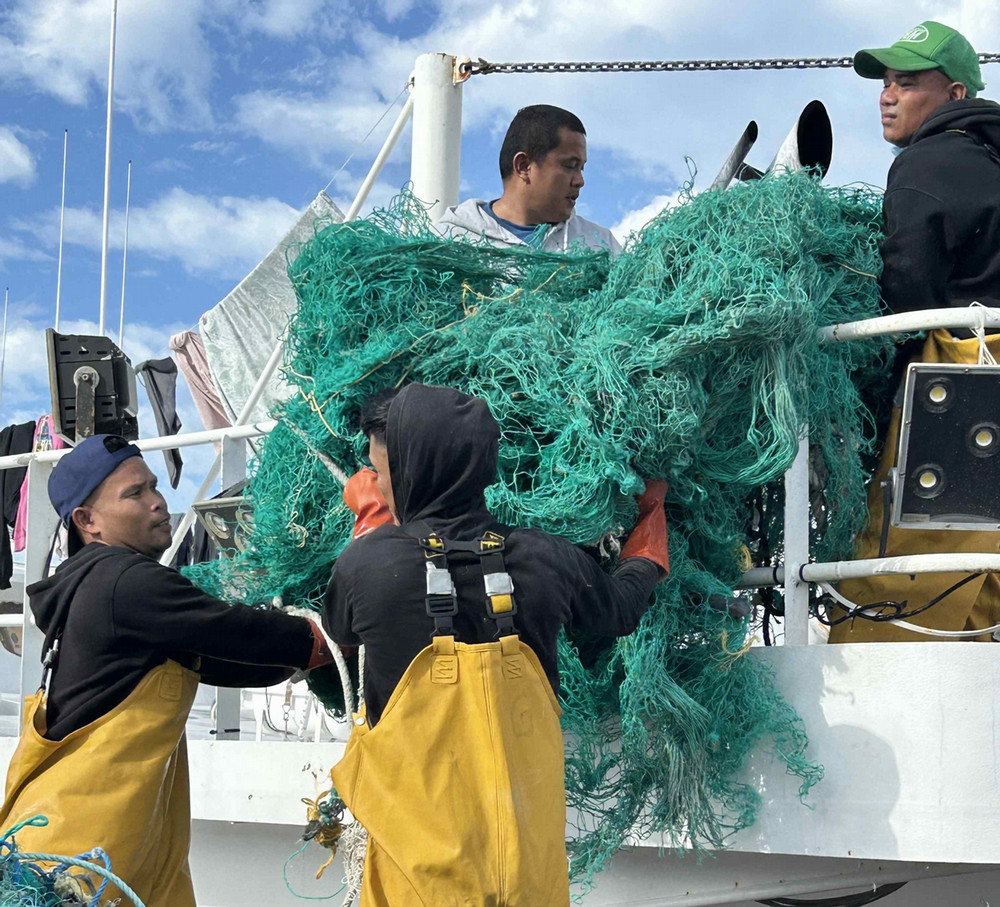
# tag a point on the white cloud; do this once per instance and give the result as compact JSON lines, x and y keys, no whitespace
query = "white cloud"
{"x":224,"y":235}
{"x":282,"y":18}
{"x":168,"y":165}
{"x":13,"y":248}
{"x":311,"y":126}
{"x":206,"y":146}
{"x":163,"y":62}
{"x":17,"y":165}
{"x":637,"y":219}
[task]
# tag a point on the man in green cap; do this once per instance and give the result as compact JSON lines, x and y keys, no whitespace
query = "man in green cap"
{"x":942,"y":248}
{"x":942,"y":200}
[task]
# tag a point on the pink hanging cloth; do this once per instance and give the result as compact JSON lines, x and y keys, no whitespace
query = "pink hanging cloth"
{"x":45,"y":439}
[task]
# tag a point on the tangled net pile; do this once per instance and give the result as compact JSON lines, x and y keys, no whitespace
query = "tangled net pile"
{"x":48,"y":880}
{"x":694,"y":357}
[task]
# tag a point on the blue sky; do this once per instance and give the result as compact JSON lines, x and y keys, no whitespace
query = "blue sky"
{"x":235,"y":113}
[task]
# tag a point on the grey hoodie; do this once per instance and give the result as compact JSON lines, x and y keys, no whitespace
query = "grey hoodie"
{"x":471,"y":219}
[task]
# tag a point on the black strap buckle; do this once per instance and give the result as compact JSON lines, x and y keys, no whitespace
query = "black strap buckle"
{"x":441,"y":601}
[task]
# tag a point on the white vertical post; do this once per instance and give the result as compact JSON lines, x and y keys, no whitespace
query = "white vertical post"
{"x":797,"y":547}
{"x":437,"y":132}
{"x":228,"y":699}
{"x":107,"y":168}
{"x":42,"y":522}
{"x":62,"y":218}
{"x":128,"y":198}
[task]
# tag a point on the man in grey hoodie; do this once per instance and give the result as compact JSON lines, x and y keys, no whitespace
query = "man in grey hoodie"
{"x":541,"y":166}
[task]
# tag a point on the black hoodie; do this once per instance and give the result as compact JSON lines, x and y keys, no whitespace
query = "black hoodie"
{"x":442,"y":450}
{"x":121,"y":614}
{"x":942,"y":212}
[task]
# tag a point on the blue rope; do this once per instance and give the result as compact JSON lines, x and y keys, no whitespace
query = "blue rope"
{"x":105,"y":874}
{"x":8,"y":851}
{"x":293,"y":892}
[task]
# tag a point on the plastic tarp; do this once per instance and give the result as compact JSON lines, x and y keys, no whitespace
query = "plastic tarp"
{"x":240,"y":333}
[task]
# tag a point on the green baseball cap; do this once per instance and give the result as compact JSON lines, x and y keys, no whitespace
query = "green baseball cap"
{"x":929,"y":45}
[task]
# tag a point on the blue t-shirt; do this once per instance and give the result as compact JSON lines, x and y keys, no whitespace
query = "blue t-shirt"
{"x":533,"y":235}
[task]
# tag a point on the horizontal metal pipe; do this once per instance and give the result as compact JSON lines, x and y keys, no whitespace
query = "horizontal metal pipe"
{"x":901,"y":566}
{"x":876,"y":566}
{"x":925,"y":320}
{"x":12,"y":620}
{"x":762,"y":576}
{"x":166,"y":442}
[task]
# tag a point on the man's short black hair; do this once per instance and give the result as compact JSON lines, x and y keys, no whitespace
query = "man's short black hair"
{"x":375,"y":412}
{"x":535,"y":131}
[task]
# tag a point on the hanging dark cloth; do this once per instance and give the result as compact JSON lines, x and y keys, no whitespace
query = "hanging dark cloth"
{"x":14,"y":439}
{"x":160,"y":378}
{"x":197,"y":547}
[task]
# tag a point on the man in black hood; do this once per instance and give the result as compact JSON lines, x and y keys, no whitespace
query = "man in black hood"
{"x":462,"y":792}
{"x":127,"y":640}
{"x":942,"y":248}
{"x":942,"y":199}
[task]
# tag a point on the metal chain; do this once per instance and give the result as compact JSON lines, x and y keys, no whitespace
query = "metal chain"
{"x":483,"y":67}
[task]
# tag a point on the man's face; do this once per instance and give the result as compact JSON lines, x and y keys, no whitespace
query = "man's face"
{"x":127,"y":510}
{"x":378,"y":456}
{"x":909,"y":98}
{"x":555,"y":181}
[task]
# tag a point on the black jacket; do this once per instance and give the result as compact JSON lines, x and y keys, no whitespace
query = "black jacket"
{"x":942,"y":212}
{"x":442,"y":448}
{"x":123,"y":614}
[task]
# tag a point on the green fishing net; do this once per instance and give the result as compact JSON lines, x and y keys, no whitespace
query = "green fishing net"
{"x":50,"y":880}
{"x":694,"y":357}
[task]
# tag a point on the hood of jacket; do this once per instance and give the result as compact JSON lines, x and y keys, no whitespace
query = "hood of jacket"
{"x":442,"y":448}
{"x":470,"y":218}
{"x":50,"y":598}
{"x":977,"y":116}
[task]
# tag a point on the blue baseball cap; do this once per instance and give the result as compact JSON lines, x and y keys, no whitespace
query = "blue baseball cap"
{"x":77,"y":475}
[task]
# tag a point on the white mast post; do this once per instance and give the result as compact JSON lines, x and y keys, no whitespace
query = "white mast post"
{"x":3,"y":351}
{"x":437,"y":131}
{"x":62,"y":218}
{"x":107,"y":169}
{"x":128,"y":197}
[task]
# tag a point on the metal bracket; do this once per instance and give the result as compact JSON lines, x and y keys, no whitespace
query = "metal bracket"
{"x":461,"y":69}
{"x":86,"y":380}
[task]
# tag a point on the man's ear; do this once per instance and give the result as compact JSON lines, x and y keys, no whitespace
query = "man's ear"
{"x":957,"y":91}
{"x":83,"y":519}
{"x":522,"y":166}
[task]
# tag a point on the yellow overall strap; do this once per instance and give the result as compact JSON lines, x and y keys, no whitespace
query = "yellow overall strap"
{"x":119,"y":783}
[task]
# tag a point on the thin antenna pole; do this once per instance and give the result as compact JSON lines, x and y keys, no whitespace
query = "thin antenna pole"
{"x":3,"y":350}
{"x":128,"y":196}
{"x":62,"y":218}
{"x":107,"y":168}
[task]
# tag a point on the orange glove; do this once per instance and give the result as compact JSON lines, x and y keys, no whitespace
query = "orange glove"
{"x":649,"y":538}
{"x":321,"y":654}
{"x":361,"y":494}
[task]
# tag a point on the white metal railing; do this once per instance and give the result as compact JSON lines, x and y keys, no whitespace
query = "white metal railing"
{"x":797,"y":572}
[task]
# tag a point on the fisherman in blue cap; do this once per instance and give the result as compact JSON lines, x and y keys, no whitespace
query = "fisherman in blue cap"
{"x":127,"y":641}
